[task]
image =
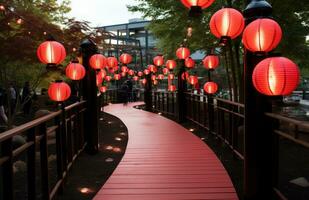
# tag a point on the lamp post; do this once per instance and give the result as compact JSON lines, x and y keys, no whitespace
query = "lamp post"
{"x":258,"y":165}
{"x":88,"y":48}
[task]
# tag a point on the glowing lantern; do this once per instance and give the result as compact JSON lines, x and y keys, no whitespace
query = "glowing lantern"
{"x":211,"y":62}
{"x":131,"y":72}
{"x":51,"y":53}
{"x":152,"y":68}
{"x":182,"y":53}
{"x":144,"y":81}
{"x":75,"y":71}
{"x":108,"y":78}
{"x":135,"y":78}
{"x":103,"y":89}
{"x":193,"y":80}
{"x":160,"y":76}
{"x":59,"y":91}
{"x":117,"y":77}
{"x":102,"y":73}
{"x":276,"y":76}
{"x":146,"y":71}
{"x":112,"y":62}
{"x":140,"y":74}
{"x":262,"y":35}
{"x":155,"y":82}
{"x":227,"y":23}
{"x":210,"y":87}
{"x":153,"y":77}
{"x":125,"y":58}
{"x":171,"y":76}
{"x":172,"y":88}
{"x":123,"y":74}
{"x":165,"y":71}
{"x":111,"y":70}
{"x":97,"y":61}
{"x":158,"y":60}
{"x":99,"y":78}
{"x":116,"y":68}
{"x":189,"y":62}
{"x":202,"y":4}
{"x":184,"y":75}
{"x":124,"y":69}
{"x":171,"y":64}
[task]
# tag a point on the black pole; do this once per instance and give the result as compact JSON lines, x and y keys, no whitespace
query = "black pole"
{"x":182,"y":87}
{"x":148,"y":93}
{"x":210,"y":103}
{"x":258,"y":131}
{"x":89,"y":48}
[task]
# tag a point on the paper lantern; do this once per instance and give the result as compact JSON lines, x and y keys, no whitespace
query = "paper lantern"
{"x":211,"y":62}
{"x":144,"y":81}
{"x":262,"y":35}
{"x":75,"y":71}
{"x":182,"y":53}
{"x":165,"y":71}
{"x":152,"y":68}
{"x":117,"y":77}
{"x":140,"y":73}
{"x":189,"y":63}
{"x":184,"y":75}
{"x":210,"y":87}
{"x":59,"y":91}
{"x":103,"y":89}
{"x":112,"y":62}
{"x":276,"y":76}
{"x":160,"y":76}
{"x":171,"y":64}
{"x":97,"y":61}
{"x":172,"y":88}
{"x":171,"y":76}
{"x":124,"y":69}
{"x":193,"y":80}
{"x":125,"y":58}
{"x":108,"y":78}
{"x":51,"y":53}
{"x":123,"y":74}
{"x":197,"y":3}
{"x":146,"y":71}
{"x":131,"y":72}
{"x":158,"y":60}
{"x":135,"y":78}
{"x":155,"y":82}
{"x":99,"y":78}
{"x":153,"y":77}
{"x":227,"y":23}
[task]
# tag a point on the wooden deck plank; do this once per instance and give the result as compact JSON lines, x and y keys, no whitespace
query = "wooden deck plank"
{"x":164,"y":161}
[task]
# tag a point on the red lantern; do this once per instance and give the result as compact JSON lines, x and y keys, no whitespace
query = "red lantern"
{"x":116,"y":68}
{"x":158,"y":60}
{"x":155,"y":82}
{"x":171,"y":76}
{"x":146,"y":71}
{"x":144,"y":81}
{"x":210,"y":87}
{"x":160,"y":76}
{"x":172,"y":88}
{"x":211,"y":62}
{"x":108,"y":78}
{"x":125,"y":58}
{"x":140,"y":74}
{"x":97,"y":61}
{"x":193,"y":80}
{"x":75,"y":71}
{"x":152,"y":68}
{"x":99,"y":78}
{"x":103,"y":89}
{"x":171,"y":64}
{"x":117,"y":77}
{"x":51,"y":53}
{"x":124,"y":69}
{"x":197,"y":3}
{"x":135,"y":78}
{"x":276,"y":76}
{"x":131,"y":72}
{"x":182,"y":53}
{"x":112,"y":62}
{"x":111,"y":70}
{"x":165,"y":71}
{"x":123,"y":74}
{"x":184,"y":75}
{"x":59,"y":91}
{"x":102,"y":73}
{"x":227,"y":23}
{"x":153,"y":77}
{"x":262,"y":35}
{"x":189,"y":63}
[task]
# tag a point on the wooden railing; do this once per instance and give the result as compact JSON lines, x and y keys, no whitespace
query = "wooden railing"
{"x":164,"y":102}
{"x":61,"y":132}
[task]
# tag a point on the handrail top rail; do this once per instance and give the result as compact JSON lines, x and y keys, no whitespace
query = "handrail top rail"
{"x":24,"y":127}
{"x":288,"y":119}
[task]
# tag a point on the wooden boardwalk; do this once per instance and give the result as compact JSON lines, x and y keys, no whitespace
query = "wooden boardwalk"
{"x":164,"y":161}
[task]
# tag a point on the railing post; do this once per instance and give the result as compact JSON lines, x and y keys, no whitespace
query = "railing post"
{"x":181,"y":101}
{"x":31,"y":165}
{"x":7,"y":170}
{"x":44,"y":162}
{"x":258,"y":137}
{"x":88,"y":48}
{"x":148,"y":93}
{"x":210,"y":104}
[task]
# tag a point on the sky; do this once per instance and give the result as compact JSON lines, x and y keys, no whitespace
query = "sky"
{"x":102,"y":12}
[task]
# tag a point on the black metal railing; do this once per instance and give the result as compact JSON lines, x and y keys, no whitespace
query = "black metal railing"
{"x":59,"y":135}
{"x":164,"y":102}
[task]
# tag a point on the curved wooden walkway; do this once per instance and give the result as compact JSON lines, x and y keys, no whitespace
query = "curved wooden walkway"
{"x":164,"y":161}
